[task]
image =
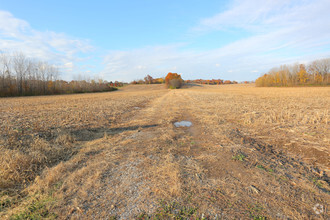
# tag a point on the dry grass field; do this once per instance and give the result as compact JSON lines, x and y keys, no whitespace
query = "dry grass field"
{"x":251,"y":153}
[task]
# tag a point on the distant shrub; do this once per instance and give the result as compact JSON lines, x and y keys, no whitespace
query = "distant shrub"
{"x":173,"y":80}
{"x":227,"y":82}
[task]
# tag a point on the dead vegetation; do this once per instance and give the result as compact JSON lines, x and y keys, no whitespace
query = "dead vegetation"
{"x":40,"y":132}
{"x":252,"y":153}
{"x":293,"y":119}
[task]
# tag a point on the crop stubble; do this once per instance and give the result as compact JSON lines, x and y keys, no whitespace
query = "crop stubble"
{"x":251,"y":152}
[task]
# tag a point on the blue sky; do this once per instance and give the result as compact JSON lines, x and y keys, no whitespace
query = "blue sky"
{"x":126,"y":40}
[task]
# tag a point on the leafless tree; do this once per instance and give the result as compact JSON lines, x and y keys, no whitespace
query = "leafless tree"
{"x":20,"y":75}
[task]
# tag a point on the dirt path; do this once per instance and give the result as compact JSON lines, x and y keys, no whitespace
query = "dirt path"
{"x":131,"y":162}
{"x":156,"y":169}
{"x":154,"y":159}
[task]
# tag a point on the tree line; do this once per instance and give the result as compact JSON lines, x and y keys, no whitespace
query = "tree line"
{"x":211,"y":81}
{"x":315,"y":73}
{"x":149,"y":80}
{"x":172,"y":80}
{"x":23,"y":76}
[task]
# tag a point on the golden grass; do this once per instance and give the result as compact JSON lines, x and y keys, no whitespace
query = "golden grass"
{"x":118,"y":154}
{"x":296,"y":119}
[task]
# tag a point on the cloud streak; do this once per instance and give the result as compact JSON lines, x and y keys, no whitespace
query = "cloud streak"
{"x":16,"y":35}
{"x":279,"y":32}
{"x":270,"y":33}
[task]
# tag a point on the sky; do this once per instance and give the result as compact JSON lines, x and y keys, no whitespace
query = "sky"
{"x":126,"y":40}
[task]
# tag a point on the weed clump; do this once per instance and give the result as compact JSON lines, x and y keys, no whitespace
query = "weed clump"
{"x":240,"y":157}
{"x":171,"y":210}
{"x":39,"y":209}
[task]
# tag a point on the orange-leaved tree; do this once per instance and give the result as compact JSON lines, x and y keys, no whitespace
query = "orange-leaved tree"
{"x":173,"y":80}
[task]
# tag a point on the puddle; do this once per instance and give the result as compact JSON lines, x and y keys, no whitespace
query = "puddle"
{"x":183,"y":124}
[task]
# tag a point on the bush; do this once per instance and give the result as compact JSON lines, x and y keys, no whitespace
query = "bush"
{"x":175,"y":83}
{"x":173,"y":80}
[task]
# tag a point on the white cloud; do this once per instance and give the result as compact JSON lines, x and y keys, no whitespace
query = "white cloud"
{"x":69,"y":65}
{"x":242,"y":14}
{"x":275,"y":25}
{"x":279,"y":32}
{"x":16,"y":35}
{"x":140,"y":67}
{"x":159,"y":60}
{"x":137,"y":63}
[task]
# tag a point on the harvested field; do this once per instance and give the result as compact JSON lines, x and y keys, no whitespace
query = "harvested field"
{"x":251,"y":153}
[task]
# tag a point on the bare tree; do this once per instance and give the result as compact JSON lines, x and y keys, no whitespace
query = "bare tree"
{"x":21,"y":66}
{"x":5,"y":70}
{"x":148,"y":79}
{"x":20,"y":75}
